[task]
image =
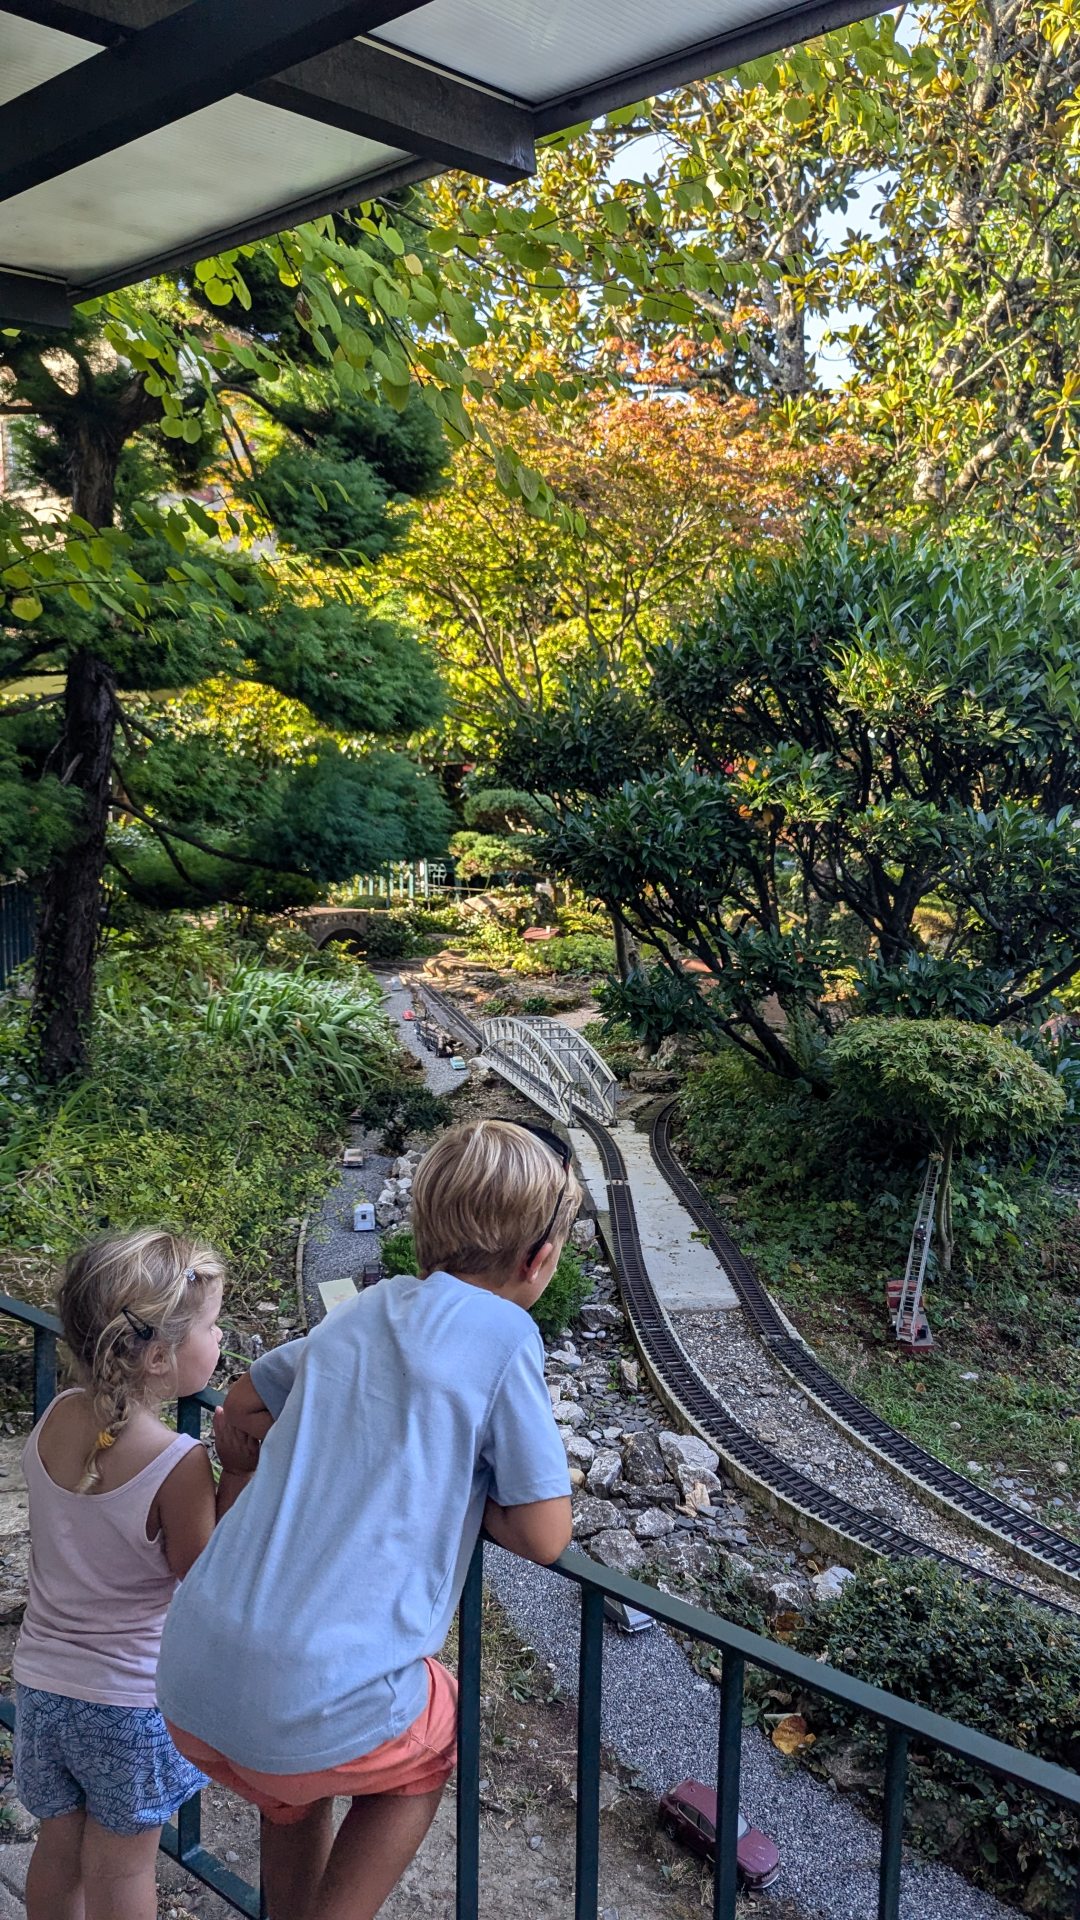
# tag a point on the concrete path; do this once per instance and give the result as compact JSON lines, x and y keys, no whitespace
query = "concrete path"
{"x":686,"y":1274}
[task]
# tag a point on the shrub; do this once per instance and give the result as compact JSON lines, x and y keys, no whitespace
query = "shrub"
{"x":998,"y":1664}
{"x":393,"y":936}
{"x":401,"y":1107}
{"x":558,"y":1306}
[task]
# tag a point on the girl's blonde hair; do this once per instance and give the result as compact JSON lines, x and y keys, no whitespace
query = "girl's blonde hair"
{"x":484,"y":1194}
{"x":119,"y":1297}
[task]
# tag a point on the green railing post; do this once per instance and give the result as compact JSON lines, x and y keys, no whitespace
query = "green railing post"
{"x":728,"y":1770}
{"x":44,"y":1370}
{"x":892,"y":1823}
{"x":470,"y":1628}
{"x":590,"y":1683}
{"x":189,"y":1416}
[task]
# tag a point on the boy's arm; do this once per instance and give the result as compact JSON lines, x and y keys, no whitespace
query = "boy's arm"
{"x":241,"y":1425}
{"x":539,"y":1531}
{"x":529,"y":1508}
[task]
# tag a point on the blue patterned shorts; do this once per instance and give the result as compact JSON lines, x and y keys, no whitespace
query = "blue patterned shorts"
{"x":117,"y":1762}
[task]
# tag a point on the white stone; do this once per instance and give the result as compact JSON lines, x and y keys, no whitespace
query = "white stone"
{"x":605,"y":1472}
{"x":1061,"y":1468}
{"x":653,"y":1524}
{"x":630,"y":1375}
{"x":691,"y":1478}
{"x":686,"y":1450}
{"x":579,"y":1451}
{"x":569,"y":1414}
{"x":830,"y":1584}
{"x":583,"y":1232}
{"x":617,"y":1548}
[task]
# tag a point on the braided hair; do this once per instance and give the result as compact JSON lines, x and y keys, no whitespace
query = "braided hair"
{"x":119,"y":1298}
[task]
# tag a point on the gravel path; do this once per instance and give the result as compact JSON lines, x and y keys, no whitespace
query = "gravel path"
{"x":760,"y":1395}
{"x":661,"y":1718}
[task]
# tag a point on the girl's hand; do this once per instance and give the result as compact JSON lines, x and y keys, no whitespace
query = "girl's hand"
{"x":237,"y":1449}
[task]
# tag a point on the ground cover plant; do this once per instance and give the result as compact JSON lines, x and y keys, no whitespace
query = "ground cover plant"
{"x":823,"y":1202}
{"x":224,"y":1063}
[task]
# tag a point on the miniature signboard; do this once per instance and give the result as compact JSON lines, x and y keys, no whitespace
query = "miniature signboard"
{"x":353,"y":1157}
{"x":335,"y":1293}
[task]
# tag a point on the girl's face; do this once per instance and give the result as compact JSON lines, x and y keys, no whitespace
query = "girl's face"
{"x":196,"y":1359}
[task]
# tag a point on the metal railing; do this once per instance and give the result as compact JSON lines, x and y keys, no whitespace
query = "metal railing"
{"x":903,"y":1722}
{"x":18,"y":923}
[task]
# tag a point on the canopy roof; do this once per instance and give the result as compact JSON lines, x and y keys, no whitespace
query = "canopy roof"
{"x":136,"y":135}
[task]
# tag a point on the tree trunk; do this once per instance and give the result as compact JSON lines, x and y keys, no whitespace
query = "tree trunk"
{"x":70,"y":917}
{"x":943,"y":1220}
{"x":626,"y":953}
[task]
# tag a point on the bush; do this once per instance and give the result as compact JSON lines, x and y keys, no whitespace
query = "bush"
{"x":402,"y":1107}
{"x":992,"y":1661}
{"x":558,"y":1306}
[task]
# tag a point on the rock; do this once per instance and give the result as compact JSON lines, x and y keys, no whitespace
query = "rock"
{"x":830,"y":1584}
{"x":569,"y":1414}
{"x":643,"y":1462}
{"x":617,"y":1548}
{"x":630,"y":1375}
{"x":536,"y":1842}
{"x":605,"y":1472}
{"x":583,"y":1232}
{"x":691,"y":1478}
{"x":653,"y":1523}
{"x":688,"y":1557}
{"x":594,"y":1316}
{"x":387,"y":1213}
{"x":17,"y":1821}
{"x":686,"y":1450}
{"x":566,"y":1357}
{"x":403,"y":1168}
{"x":577,"y":1477}
{"x":653,"y":1080}
{"x":579,"y":1451}
{"x":785,"y":1596}
{"x":594,"y":1516}
{"x":1061,"y":1468}
{"x":667,"y":1053}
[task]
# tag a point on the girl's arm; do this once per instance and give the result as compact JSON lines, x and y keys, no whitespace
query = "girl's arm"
{"x":187,"y":1510}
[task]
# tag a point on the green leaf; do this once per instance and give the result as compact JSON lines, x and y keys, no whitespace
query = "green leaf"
{"x":26,"y":606}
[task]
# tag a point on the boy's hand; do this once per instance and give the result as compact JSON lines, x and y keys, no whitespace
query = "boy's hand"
{"x":237,"y":1449}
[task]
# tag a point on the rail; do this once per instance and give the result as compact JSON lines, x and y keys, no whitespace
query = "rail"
{"x":18,"y":922}
{"x":903,"y":1722}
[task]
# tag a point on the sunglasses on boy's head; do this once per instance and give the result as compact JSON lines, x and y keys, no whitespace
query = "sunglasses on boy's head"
{"x":563,"y":1155}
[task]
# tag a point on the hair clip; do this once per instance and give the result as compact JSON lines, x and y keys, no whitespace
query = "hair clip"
{"x":140,"y":1328}
{"x":189,"y":1275}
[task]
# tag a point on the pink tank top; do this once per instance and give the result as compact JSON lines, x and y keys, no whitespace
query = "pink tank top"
{"x":99,"y":1589}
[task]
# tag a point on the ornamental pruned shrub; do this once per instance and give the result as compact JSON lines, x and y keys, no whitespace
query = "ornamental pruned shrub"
{"x":954,"y":1083}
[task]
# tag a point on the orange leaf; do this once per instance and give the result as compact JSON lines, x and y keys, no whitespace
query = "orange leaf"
{"x":791,"y":1735}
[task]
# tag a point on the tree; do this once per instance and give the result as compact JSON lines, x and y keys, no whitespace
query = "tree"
{"x":666,"y":489}
{"x":171,"y":615}
{"x":852,"y":730}
{"x":955,"y":1084}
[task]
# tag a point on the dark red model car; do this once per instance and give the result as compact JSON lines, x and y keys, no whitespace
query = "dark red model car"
{"x":688,"y":1811}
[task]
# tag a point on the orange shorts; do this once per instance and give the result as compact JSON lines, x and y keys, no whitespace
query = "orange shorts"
{"x":420,"y":1760}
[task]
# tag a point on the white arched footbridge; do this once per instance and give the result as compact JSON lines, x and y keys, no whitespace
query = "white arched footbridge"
{"x":552,"y":1064}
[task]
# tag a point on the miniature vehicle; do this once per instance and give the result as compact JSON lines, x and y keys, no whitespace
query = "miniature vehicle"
{"x":688,"y":1811}
{"x":627,"y":1619}
{"x":458,"y":1063}
{"x":408,"y":1014}
{"x":371,"y":1274}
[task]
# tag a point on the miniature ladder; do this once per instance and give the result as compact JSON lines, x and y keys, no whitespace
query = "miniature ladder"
{"x":905,"y":1296}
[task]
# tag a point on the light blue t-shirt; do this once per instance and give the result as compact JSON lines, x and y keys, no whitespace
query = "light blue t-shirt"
{"x":297,"y":1640}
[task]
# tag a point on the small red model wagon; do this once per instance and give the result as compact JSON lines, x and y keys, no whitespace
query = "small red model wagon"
{"x":688,"y":1811}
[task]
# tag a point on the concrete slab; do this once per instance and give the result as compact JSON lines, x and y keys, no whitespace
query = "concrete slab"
{"x":686,"y":1274}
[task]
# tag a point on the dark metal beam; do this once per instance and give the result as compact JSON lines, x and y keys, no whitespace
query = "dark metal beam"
{"x":365,"y":88}
{"x":30,"y":300}
{"x":190,"y":60}
{"x":369,"y":90}
{"x":784,"y":28}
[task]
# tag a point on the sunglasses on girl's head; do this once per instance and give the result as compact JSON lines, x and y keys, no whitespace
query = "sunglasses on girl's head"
{"x":563,"y":1155}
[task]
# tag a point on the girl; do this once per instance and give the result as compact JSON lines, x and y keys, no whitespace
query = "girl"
{"x":120,"y":1507}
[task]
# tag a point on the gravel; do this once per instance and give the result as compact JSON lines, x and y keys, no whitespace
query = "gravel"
{"x":759,"y":1395}
{"x":661,"y":1719}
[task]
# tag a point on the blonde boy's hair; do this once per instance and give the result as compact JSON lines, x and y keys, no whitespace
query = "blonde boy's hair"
{"x":120,"y":1297}
{"x":484,"y":1194}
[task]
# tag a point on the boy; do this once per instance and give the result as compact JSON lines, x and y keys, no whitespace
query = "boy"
{"x":298,"y":1657}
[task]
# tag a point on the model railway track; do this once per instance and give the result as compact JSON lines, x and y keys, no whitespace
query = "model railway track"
{"x":683,"y":1389}
{"x":1040,"y":1545}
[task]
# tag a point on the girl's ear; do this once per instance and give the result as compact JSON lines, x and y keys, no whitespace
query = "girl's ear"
{"x":158,"y":1361}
